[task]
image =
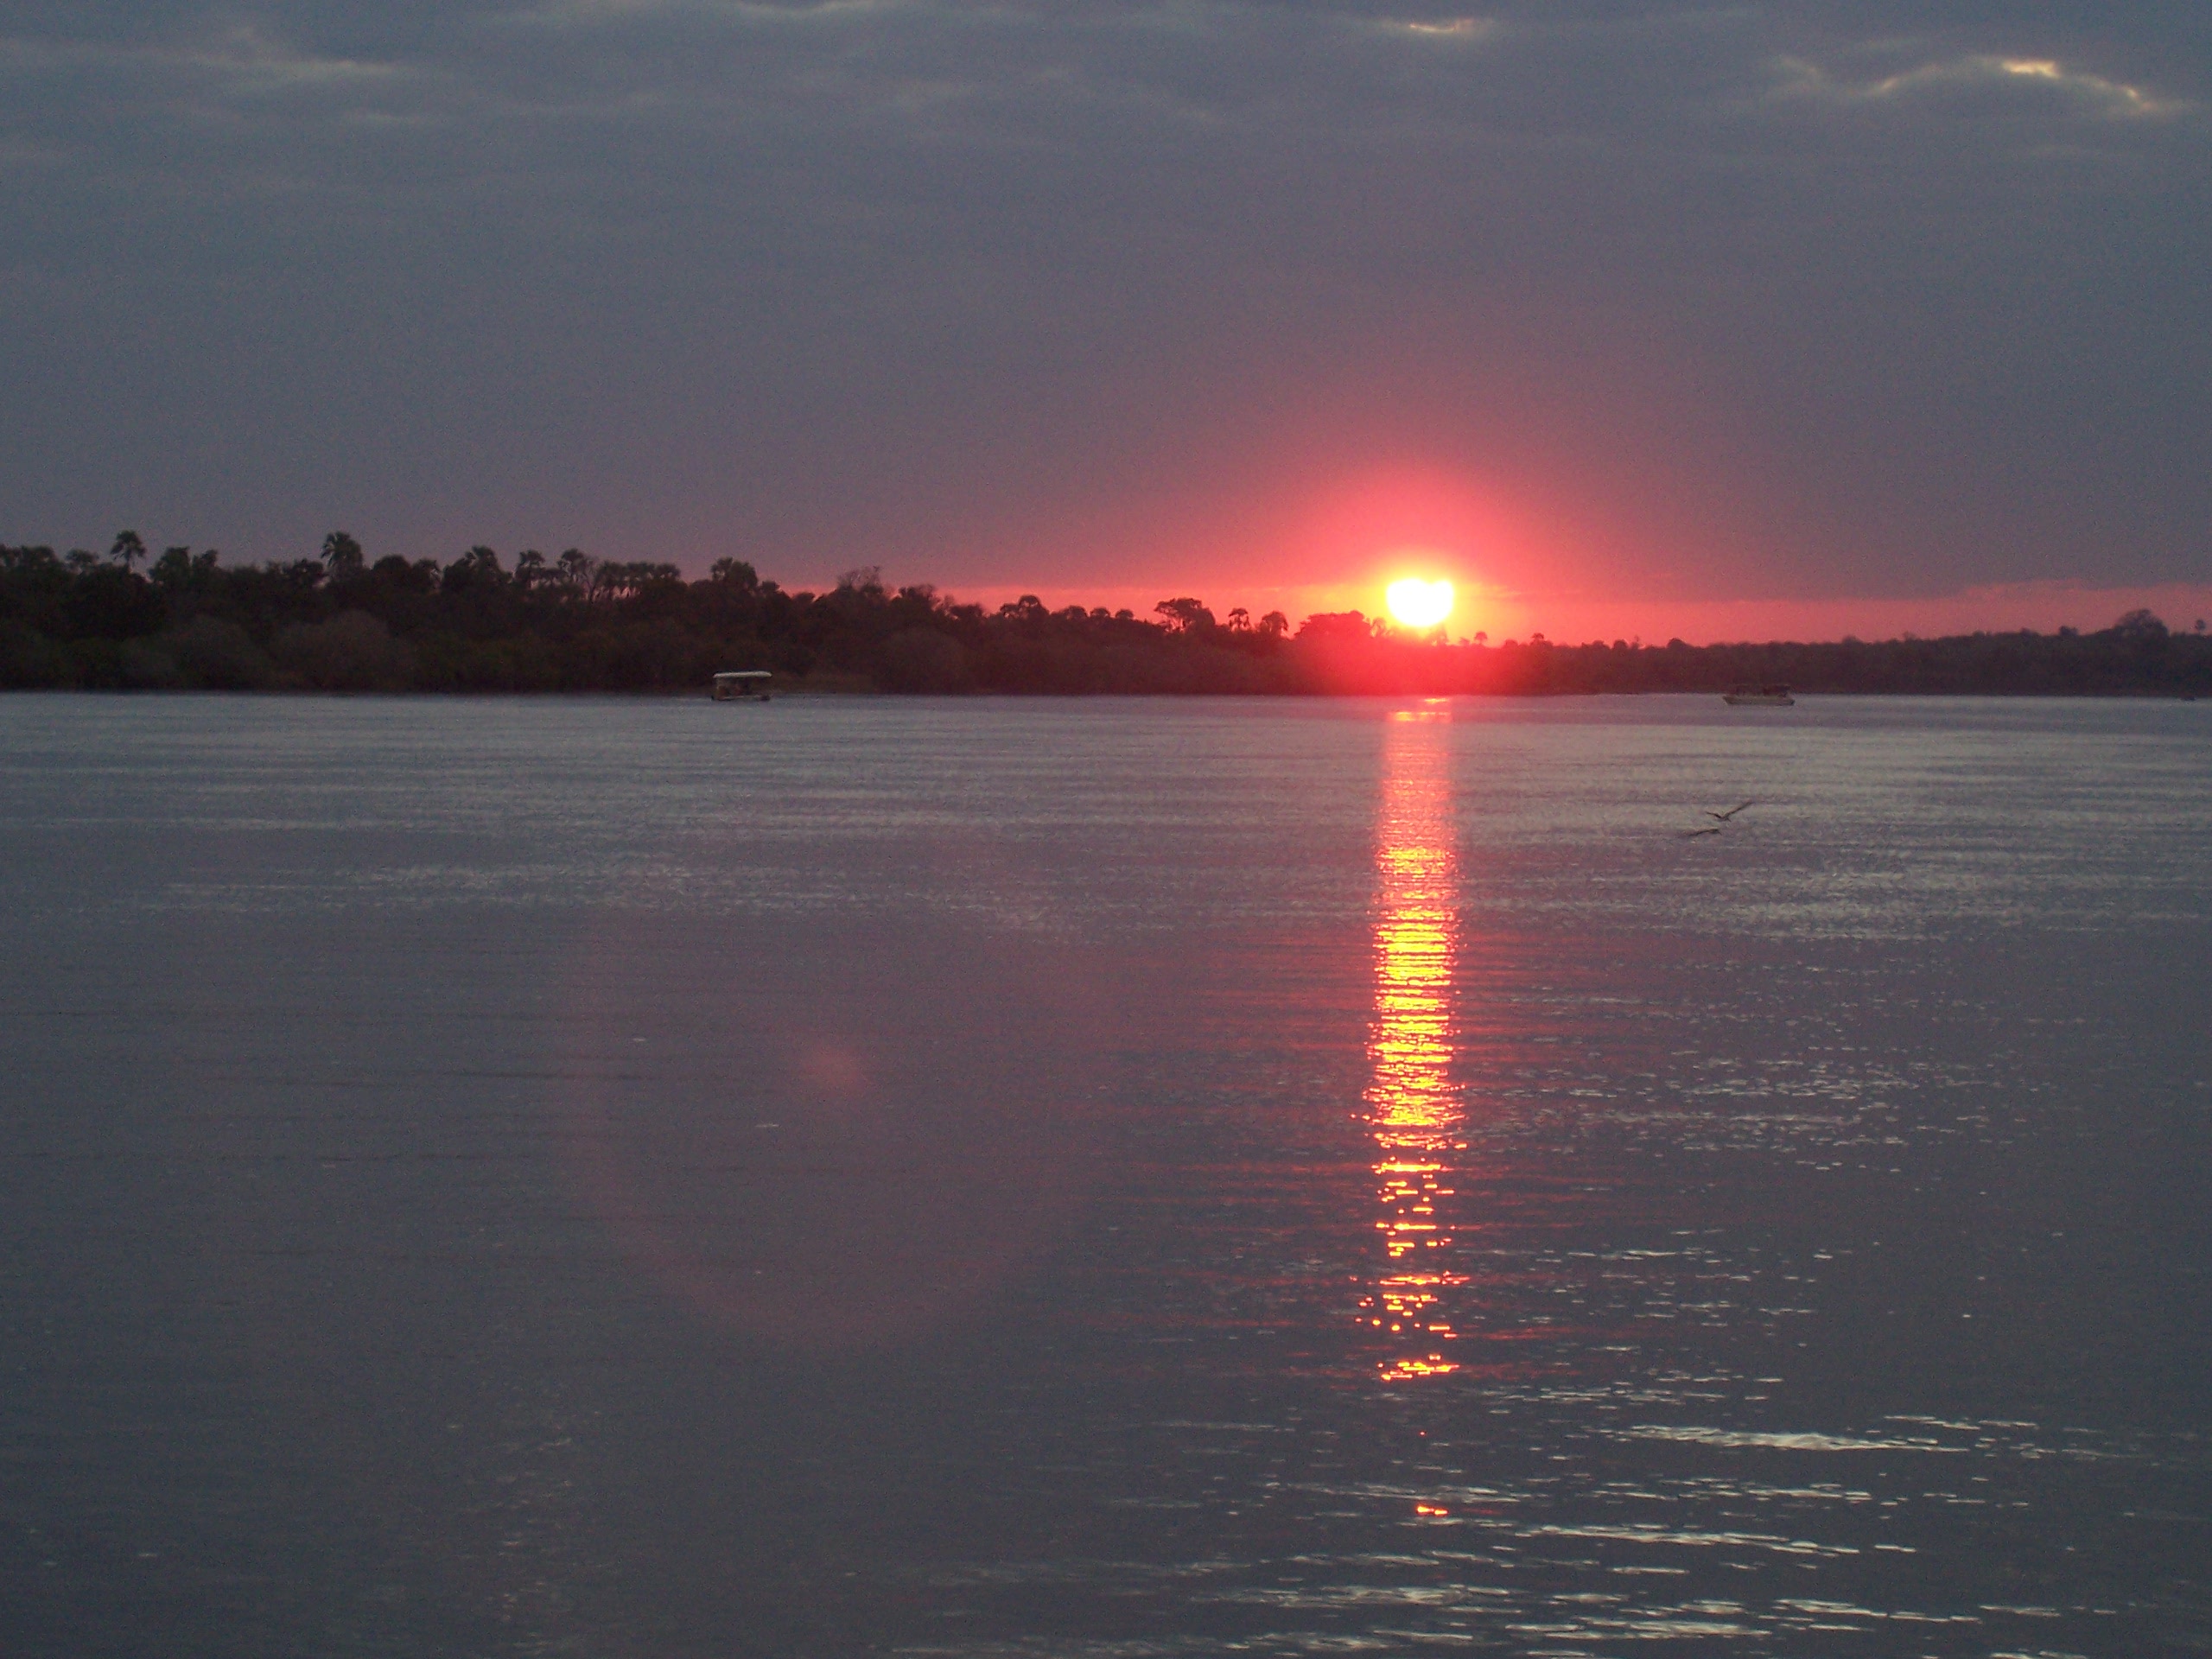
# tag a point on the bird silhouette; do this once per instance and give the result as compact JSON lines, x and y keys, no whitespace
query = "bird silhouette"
{"x":1723,"y":816}
{"x":1692,"y":834}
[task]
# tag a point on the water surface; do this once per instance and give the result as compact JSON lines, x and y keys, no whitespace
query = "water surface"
{"x":1110,"y":1177}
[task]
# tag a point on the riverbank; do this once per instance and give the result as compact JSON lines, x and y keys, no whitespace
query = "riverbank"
{"x":338,"y":624}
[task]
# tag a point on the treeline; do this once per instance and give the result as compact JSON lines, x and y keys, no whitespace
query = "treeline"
{"x":340,"y":622}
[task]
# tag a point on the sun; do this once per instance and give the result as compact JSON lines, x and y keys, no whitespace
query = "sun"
{"x":1418,"y":604}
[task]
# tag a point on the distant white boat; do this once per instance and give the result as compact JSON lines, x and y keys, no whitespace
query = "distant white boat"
{"x":742,"y":685}
{"x":1760,"y":696}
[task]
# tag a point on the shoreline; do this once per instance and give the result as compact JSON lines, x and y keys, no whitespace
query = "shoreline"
{"x":815,"y":693}
{"x":338,"y":624}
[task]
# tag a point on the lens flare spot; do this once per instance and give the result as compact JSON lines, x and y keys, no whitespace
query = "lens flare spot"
{"x":831,"y":1070}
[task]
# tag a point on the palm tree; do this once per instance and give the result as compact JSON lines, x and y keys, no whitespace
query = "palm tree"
{"x":341,"y":555}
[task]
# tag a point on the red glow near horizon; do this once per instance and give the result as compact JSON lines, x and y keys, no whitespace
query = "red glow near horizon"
{"x":1521,"y":563}
{"x":1466,"y":529}
{"x":1575,"y":617}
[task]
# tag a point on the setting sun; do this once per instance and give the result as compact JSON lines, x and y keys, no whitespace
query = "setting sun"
{"x":1418,"y":604}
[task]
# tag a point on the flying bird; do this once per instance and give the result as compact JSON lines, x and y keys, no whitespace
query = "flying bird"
{"x":1723,"y":816}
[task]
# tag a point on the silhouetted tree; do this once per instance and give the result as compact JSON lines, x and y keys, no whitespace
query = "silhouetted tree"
{"x":1185,"y":616}
{"x":2140,"y":625}
{"x":342,"y":556}
{"x":576,"y":568}
{"x":1341,"y":626}
{"x":179,"y":568}
{"x":477,"y":571}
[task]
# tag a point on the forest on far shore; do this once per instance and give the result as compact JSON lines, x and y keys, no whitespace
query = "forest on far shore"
{"x":341,"y":622}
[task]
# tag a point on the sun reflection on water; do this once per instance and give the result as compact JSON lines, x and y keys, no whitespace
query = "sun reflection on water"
{"x":1414,"y":1109}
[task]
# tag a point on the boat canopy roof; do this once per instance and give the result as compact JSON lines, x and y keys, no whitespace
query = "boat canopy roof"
{"x":745,"y":674}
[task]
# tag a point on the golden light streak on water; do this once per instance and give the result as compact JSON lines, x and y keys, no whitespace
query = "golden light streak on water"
{"x":1412,"y":1106}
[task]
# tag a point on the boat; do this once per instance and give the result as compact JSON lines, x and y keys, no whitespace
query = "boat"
{"x":1760,"y":696}
{"x":742,"y":685}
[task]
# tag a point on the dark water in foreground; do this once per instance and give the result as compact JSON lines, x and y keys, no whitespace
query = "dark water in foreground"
{"x":1103,"y":1179}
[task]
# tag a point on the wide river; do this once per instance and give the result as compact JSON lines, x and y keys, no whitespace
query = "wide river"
{"x":1104,"y":1179}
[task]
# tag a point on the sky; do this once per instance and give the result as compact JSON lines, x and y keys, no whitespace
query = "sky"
{"x":1633,"y":319}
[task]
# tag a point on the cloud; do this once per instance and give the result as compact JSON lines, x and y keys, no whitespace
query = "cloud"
{"x":238,"y":57}
{"x":807,"y":14}
{"x":1445,"y":29}
{"x":1978,"y":72}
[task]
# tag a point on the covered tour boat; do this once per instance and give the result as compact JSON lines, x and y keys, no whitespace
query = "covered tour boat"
{"x":742,"y":685}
